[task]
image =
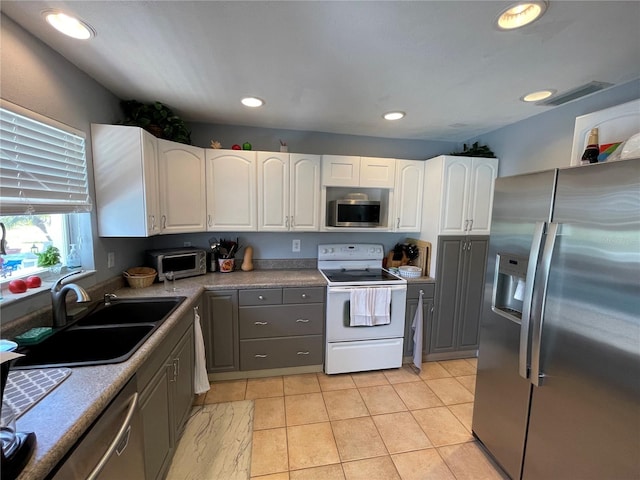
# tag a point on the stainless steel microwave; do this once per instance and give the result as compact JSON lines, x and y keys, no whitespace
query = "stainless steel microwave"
{"x":183,"y":262}
{"x":354,"y":213}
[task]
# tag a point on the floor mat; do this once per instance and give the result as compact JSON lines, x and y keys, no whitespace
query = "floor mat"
{"x":216,"y":443}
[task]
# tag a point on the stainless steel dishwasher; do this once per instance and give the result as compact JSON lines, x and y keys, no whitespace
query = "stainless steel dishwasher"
{"x":112,"y":448}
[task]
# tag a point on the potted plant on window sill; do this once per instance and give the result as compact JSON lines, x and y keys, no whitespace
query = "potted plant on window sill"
{"x":157,"y":119}
{"x":50,"y":259}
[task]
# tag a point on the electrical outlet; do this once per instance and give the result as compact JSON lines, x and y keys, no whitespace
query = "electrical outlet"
{"x":111,"y":259}
{"x":295,"y":246}
{"x":186,"y":244}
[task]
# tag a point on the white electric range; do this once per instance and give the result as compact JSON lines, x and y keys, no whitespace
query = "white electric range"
{"x":360,"y":348}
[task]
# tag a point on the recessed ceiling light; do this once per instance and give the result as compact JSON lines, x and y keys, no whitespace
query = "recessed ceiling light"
{"x":252,"y":102}
{"x":393,"y":115}
{"x":537,"y":96}
{"x":69,"y":25}
{"x":520,"y":14}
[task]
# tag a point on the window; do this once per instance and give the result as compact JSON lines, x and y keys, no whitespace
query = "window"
{"x":44,"y":192}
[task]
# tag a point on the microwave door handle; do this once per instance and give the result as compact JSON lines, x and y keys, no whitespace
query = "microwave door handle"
{"x":525,"y":324}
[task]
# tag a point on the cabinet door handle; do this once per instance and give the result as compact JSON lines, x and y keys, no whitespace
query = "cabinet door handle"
{"x":164,"y":222}
{"x":209,"y":220}
{"x":153,"y":222}
{"x":260,"y":297}
{"x":286,"y":222}
{"x":304,"y":295}
{"x":470,"y":224}
{"x":466,"y":224}
{"x":398,"y":223}
{"x":302,"y":320}
{"x":260,"y":355}
{"x":292,"y":222}
{"x":261,"y":323}
{"x":178,"y":367}
{"x":302,"y":353}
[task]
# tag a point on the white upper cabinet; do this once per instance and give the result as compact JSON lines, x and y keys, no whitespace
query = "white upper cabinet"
{"x":288,"y":192}
{"x":273,"y":192}
{"x":377,"y":172}
{"x":483,"y":175}
{"x":349,"y":171}
{"x":182,"y":187}
{"x":231,"y":190}
{"x":304,"y":206}
{"x":459,"y":195}
{"x":125,"y":168}
{"x":407,"y":196}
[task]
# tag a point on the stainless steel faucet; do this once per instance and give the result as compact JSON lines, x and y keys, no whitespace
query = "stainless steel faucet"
{"x":58,"y":299}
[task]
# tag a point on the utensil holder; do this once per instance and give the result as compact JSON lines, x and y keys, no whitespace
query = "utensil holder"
{"x":226,"y":264}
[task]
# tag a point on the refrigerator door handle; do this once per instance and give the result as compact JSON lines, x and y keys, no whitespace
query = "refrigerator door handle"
{"x":525,"y":324}
{"x":536,"y":337}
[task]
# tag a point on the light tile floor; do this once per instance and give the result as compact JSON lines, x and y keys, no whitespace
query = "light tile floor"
{"x":390,"y":424}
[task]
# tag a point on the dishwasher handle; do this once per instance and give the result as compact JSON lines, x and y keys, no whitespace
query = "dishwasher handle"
{"x":116,"y":444}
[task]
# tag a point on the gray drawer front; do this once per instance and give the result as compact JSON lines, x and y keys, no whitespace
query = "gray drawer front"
{"x":281,"y":320}
{"x":413,"y":289}
{"x":303,"y":295}
{"x":280,"y":352}
{"x":260,"y":296}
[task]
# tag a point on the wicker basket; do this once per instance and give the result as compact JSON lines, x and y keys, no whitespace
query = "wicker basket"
{"x":140,"y":277}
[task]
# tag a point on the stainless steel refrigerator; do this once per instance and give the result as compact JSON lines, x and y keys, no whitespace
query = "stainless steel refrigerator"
{"x":558,"y":385}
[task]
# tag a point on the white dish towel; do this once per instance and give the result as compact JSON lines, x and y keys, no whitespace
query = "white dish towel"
{"x":370,"y":306}
{"x":201,"y":379}
{"x":417,"y":334}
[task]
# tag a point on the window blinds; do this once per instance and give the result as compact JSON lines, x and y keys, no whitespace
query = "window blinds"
{"x":43,"y":169}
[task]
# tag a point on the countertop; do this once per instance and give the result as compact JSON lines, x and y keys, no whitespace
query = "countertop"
{"x":62,"y":416}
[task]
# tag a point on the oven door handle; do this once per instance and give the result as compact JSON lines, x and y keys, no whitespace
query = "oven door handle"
{"x":394,"y":288}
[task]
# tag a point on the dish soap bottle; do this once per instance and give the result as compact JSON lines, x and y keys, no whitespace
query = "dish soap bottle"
{"x":592,"y":151}
{"x":73,"y":259}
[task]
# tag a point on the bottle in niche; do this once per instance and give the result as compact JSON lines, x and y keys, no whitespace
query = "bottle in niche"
{"x":73,"y":259}
{"x":592,"y":151}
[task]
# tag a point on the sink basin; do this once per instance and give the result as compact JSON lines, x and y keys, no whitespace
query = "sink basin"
{"x":128,"y":311}
{"x":109,"y":334}
{"x":85,"y":346}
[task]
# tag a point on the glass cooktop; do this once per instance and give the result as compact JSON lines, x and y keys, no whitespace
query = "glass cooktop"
{"x":360,"y":275}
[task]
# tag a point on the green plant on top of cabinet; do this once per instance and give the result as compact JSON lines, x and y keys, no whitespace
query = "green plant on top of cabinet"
{"x":182,"y":187}
{"x":351,"y":171}
{"x":231,"y":190}
{"x":459,"y":296}
{"x":125,"y":169}
{"x":288,"y":192}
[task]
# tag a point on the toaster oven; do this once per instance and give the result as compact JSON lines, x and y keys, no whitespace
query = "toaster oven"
{"x":183,"y":262}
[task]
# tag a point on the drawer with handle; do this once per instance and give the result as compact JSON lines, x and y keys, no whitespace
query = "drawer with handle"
{"x":259,"y":354}
{"x":303,"y":295}
{"x":260,"y":296}
{"x":281,"y":320}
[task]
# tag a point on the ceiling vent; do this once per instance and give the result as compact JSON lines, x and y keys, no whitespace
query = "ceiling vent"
{"x":578,"y":92}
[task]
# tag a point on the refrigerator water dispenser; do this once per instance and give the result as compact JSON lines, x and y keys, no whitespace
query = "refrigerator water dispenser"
{"x":509,"y":286}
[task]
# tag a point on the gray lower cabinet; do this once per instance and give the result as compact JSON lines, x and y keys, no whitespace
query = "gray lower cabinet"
{"x":165,"y":381}
{"x":461,"y":267}
{"x":281,"y":327}
{"x":413,"y":294}
{"x":220,"y":330}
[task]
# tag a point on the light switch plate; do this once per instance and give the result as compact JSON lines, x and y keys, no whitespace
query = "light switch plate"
{"x":295,"y":246}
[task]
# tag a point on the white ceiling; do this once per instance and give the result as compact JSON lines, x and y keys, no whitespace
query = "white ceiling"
{"x":337,"y":66}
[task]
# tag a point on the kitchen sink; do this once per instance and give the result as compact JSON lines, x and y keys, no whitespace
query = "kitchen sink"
{"x":109,"y":334}
{"x":132,"y":310}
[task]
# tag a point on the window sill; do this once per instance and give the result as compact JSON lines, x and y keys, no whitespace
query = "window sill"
{"x":48,"y":280}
